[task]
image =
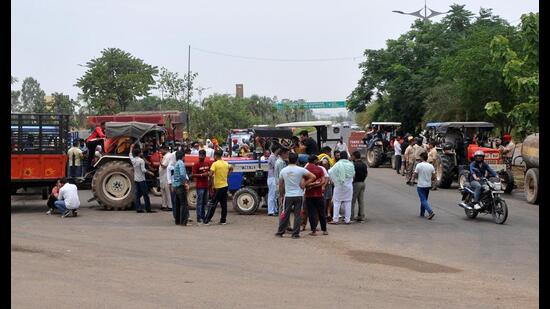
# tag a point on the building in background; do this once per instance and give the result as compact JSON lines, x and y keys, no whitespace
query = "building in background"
{"x":239,"y":91}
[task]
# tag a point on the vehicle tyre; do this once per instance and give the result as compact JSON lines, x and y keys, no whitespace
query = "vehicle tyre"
{"x":192,"y":197}
{"x":500,"y":211}
{"x":463,"y":178}
{"x":531,"y":185}
{"x":246,"y":201}
{"x":507,"y":181}
{"x":374,"y":156}
{"x":445,"y":171}
{"x":113,"y":185}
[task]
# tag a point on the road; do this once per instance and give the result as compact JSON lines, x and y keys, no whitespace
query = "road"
{"x":120,"y":259}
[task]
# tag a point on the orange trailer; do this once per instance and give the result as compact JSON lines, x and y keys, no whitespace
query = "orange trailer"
{"x":38,"y":150}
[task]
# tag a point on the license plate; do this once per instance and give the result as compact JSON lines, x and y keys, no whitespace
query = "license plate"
{"x":498,"y":192}
{"x":498,"y":167}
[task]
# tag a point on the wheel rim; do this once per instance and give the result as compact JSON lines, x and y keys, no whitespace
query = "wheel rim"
{"x":245,"y":201}
{"x":370,"y":156}
{"x":192,"y":197}
{"x":499,"y":212}
{"x":117,"y":186}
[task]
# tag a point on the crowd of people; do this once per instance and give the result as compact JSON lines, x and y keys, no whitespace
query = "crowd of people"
{"x":315,"y":185}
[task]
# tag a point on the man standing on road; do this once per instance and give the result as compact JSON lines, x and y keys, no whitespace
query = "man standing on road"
{"x":136,"y":156}
{"x":293,"y":180}
{"x":67,"y":199}
{"x":75,"y":160}
{"x":432,"y":158}
{"x":361,"y":173}
{"x":314,"y":197}
{"x":219,"y":171}
{"x":272,"y":182}
{"x":181,"y":213}
{"x":426,"y":174}
{"x":397,"y":150}
{"x":341,"y":146}
{"x":342,"y":174}
{"x":282,"y":158}
{"x":167,"y":159}
{"x":409,"y":161}
{"x":201,"y":170}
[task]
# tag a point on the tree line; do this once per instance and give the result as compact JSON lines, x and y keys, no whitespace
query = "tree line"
{"x":464,"y":68}
{"x":118,"y":81}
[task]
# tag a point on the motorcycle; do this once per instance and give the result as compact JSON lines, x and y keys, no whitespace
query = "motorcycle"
{"x":490,"y":200}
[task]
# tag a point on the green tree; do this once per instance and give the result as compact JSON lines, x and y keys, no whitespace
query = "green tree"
{"x":115,"y":80}
{"x":520,"y":70}
{"x":32,"y":96}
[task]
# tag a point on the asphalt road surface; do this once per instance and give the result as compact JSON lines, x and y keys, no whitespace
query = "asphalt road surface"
{"x":121,"y":259}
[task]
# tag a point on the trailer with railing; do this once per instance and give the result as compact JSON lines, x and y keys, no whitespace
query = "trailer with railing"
{"x":38,"y":150}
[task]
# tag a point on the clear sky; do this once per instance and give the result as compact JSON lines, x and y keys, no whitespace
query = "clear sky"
{"x":49,"y":39}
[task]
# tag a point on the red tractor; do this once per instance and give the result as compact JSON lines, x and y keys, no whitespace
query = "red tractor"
{"x":456,"y":143}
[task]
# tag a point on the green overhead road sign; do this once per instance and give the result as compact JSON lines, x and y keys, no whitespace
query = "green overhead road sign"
{"x":312,"y":105}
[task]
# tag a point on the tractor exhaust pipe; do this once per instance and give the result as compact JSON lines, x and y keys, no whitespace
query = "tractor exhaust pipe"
{"x":464,"y":205}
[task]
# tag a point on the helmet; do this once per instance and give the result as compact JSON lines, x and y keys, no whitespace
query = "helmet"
{"x":507,"y":137}
{"x":479,"y":153}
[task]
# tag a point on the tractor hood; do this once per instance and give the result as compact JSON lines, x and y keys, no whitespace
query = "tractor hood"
{"x":131,"y":129}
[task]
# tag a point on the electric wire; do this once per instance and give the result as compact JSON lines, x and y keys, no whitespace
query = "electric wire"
{"x":276,"y":59}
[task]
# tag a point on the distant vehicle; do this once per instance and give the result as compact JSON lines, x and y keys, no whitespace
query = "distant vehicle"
{"x":456,"y":143}
{"x":380,"y":142}
{"x":324,"y":132}
{"x":530,"y":155}
{"x":38,"y":150}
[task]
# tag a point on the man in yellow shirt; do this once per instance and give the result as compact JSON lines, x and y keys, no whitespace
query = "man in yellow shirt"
{"x":219,"y":171}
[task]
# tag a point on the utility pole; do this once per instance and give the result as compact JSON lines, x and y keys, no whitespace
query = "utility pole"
{"x":188,"y":91}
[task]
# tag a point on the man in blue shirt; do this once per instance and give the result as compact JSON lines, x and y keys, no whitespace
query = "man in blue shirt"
{"x":180,"y":185}
{"x":478,"y":171}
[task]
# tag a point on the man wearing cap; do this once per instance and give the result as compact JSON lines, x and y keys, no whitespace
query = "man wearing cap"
{"x":508,"y":146}
{"x":409,"y":160}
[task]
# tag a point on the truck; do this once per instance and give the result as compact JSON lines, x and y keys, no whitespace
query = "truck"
{"x":530,"y":156}
{"x":39,"y":144}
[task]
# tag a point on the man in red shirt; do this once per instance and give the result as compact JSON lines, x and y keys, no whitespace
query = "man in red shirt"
{"x":200,"y":175}
{"x":96,"y":138}
{"x":314,"y":197}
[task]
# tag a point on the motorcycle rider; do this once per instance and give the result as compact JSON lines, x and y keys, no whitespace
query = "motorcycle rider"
{"x":478,"y":170}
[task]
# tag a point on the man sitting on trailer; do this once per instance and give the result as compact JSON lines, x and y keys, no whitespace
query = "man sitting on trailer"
{"x":96,"y":138}
{"x":67,"y":199}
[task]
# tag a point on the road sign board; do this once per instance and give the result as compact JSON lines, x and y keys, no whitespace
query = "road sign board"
{"x":312,"y":105}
